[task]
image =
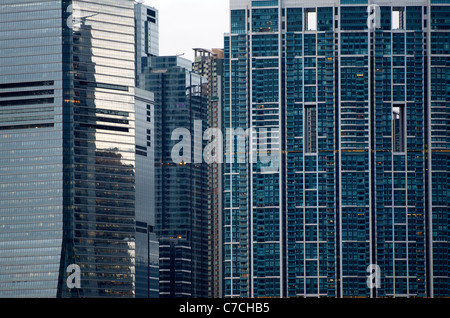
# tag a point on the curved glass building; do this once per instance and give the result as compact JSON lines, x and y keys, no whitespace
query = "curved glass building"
{"x":67,"y":148}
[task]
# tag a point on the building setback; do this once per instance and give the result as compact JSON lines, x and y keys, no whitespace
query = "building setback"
{"x":358,"y":110}
{"x":67,"y":148}
{"x":146,"y":21}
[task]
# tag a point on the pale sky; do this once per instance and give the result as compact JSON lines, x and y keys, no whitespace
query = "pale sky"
{"x":185,"y":24}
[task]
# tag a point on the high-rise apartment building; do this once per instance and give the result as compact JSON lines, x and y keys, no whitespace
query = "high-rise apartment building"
{"x":67,"y":148}
{"x":181,"y":181}
{"x":147,"y":246}
{"x":356,"y":96}
{"x":209,"y":63}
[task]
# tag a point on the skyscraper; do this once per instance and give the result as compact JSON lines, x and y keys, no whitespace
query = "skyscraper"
{"x":354,"y":95}
{"x":67,"y":148}
{"x":147,"y":246}
{"x":209,"y":63}
{"x":180,"y":175}
{"x":147,"y":35}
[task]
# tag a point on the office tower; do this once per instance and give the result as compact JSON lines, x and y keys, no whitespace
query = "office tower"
{"x":147,"y":246}
{"x":356,"y":98}
{"x":67,"y":148}
{"x":180,"y":174}
{"x":147,"y":35}
{"x":209,"y":63}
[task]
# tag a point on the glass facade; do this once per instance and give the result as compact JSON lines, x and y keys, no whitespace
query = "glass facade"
{"x":438,"y":141}
{"x":31,"y":148}
{"x":67,"y":78}
{"x":175,"y":268}
{"x":362,"y":152}
{"x":147,"y":247}
{"x":146,"y":20}
{"x":181,"y":187}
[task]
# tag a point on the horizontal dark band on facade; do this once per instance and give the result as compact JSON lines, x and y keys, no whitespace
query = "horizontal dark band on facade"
{"x":23,"y":102}
{"x":113,"y":120}
{"x":87,"y":110}
{"x":101,"y":85}
{"x":30,"y":126}
{"x":28,"y":110}
{"x":104,"y":127}
{"x":79,"y":118}
{"x":141,"y":153}
{"x":141,"y":224}
{"x":151,"y":13}
{"x":148,"y":101}
{"x":28,"y":93}
{"x":27,"y":84}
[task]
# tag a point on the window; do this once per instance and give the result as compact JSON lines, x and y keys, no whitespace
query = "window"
{"x":237,"y":21}
{"x":294,"y":19}
{"x":265,"y":3}
{"x":398,"y":18}
{"x":310,"y":19}
{"x":265,"y":20}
